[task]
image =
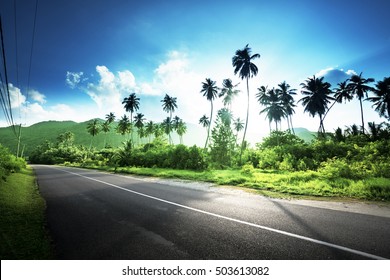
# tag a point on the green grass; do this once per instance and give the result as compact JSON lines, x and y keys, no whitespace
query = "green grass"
{"x":281,"y":184}
{"x":22,"y":231}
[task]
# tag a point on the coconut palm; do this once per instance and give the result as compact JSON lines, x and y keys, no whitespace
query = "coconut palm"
{"x":228,"y":92}
{"x":167,"y":128}
{"x":359,"y":87}
{"x":287,"y":100}
{"x":131,"y":104}
{"x":341,"y":93}
{"x":181,"y":129}
{"x":238,"y":126}
{"x":243,"y":65}
{"x":105,"y":129}
{"x":169,"y":105}
{"x":93,"y":128}
{"x":124,"y":125}
{"x":317,"y":98}
{"x":210,"y":91}
{"x":139,"y":123}
{"x":110,"y":118}
{"x":274,"y":108}
{"x":382,"y":98}
{"x":149,"y":129}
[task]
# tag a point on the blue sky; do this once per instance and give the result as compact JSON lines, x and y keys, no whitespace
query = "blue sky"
{"x":89,"y":54}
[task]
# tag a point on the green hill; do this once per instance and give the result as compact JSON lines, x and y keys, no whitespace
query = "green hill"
{"x":36,"y":134}
{"x":305,"y":134}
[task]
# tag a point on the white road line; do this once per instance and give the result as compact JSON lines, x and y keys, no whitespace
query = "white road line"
{"x":353,"y":251}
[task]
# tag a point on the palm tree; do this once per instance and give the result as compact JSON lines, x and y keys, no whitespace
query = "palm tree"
{"x":139,"y":123}
{"x":181,"y":129}
{"x":274,"y":108}
{"x":341,"y":93}
{"x":110,"y":118}
{"x":238,"y":126}
{"x":317,"y":98}
{"x":167,"y":127}
{"x":228,"y":92}
{"x":93,"y":128}
{"x":382,"y":98}
{"x":210,"y":91}
{"x":105,"y":129}
{"x":358,"y":87}
{"x":169,"y":105}
{"x":149,"y":129}
{"x":124,"y":125}
{"x":242,"y":63}
{"x":131,"y":105}
{"x":205,"y":122}
{"x":287,"y":100}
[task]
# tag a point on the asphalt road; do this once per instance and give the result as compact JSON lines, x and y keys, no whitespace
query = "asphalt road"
{"x":96,"y":215}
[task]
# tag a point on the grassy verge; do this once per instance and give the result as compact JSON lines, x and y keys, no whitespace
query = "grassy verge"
{"x":22,"y":231}
{"x":276,"y":184}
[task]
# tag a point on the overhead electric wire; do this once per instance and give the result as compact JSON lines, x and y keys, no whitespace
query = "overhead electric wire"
{"x":6,"y":98}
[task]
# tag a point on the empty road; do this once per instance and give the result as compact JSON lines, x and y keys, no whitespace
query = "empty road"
{"x":97,"y":215}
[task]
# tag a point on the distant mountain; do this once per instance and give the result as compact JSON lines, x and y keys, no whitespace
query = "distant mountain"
{"x":305,"y":134}
{"x":36,"y":134}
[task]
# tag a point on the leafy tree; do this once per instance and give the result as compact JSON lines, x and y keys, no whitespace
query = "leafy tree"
{"x":167,"y":128}
{"x":228,"y":92}
{"x":358,"y":86}
{"x":243,"y":65}
{"x":382,"y":98}
{"x":93,"y":128}
{"x":317,"y":98}
{"x":169,"y":105}
{"x":222,"y":142}
{"x":131,"y":104}
{"x":210,"y":91}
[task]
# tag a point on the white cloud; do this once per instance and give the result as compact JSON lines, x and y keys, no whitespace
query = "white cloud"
{"x":37,"y":96}
{"x":73,"y":79}
{"x":16,"y":96}
{"x":334,"y":75}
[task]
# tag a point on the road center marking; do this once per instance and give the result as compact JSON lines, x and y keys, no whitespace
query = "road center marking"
{"x":324,"y":243}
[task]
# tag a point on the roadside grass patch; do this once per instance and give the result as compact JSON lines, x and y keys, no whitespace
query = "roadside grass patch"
{"x":22,"y":230}
{"x":276,"y":183}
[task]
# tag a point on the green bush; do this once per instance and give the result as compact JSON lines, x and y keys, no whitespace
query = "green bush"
{"x":9,"y":163}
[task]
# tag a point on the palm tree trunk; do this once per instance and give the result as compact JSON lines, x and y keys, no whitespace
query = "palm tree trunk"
{"x":292,"y":127}
{"x":208,"y":130}
{"x":246,"y":121}
{"x":361,"y":112}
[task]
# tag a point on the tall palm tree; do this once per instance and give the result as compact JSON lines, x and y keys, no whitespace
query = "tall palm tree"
{"x":139,"y":123}
{"x":341,"y":93}
{"x":149,"y":129}
{"x":167,"y":127}
{"x":210,"y":91}
{"x":382,"y":98}
{"x":93,"y":128}
{"x":124,"y":125}
{"x":359,"y":87}
{"x":317,"y":98}
{"x":274,"y":108}
{"x":181,"y":129}
{"x":131,"y":104}
{"x":169,"y":105}
{"x":287,"y":100}
{"x":228,"y":92}
{"x":243,"y":65}
{"x":105,"y":129}
{"x":110,"y":118}
{"x":238,"y":126}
